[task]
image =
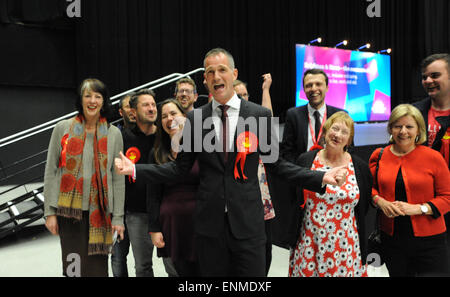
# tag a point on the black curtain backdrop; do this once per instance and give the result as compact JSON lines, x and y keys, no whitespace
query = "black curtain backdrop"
{"x":128,"y":43}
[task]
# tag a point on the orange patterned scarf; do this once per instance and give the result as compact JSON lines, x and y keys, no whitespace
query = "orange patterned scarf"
{"x":71,"y":189}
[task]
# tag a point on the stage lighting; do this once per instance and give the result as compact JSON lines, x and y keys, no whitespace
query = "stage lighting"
{"x":367,"y":45}
{"x":388,"y":50}
{"x":319,"y":40}
{"x":344,"y":42}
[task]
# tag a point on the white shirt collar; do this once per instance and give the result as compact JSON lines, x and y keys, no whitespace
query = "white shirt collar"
{"x":320,"y":110}
{"x":234,"y":102}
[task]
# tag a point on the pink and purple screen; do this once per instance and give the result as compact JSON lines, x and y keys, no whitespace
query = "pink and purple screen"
{"x":359,"y":82}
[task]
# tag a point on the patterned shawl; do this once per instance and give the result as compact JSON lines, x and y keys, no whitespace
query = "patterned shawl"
{"x":71,"y":190}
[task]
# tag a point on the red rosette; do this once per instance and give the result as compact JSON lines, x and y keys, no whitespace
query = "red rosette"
{"x":246,"y":143}
{"x":133,"y":154}
{"x":62,"y":159}
{"x":316,"y":147}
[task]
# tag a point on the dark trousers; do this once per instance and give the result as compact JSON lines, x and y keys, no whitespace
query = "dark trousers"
{"x":74,"y":238}
{"x":187,"y":268}
{"x":119,"y":256}
{"x":416,"y":256}
{"x":226,"y":255}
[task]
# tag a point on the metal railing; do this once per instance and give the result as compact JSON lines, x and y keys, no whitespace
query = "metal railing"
{"x":19,"y":212}
{"x":114,"y":100}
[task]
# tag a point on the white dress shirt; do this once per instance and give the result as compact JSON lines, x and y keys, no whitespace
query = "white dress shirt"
{"x":233,"y":114}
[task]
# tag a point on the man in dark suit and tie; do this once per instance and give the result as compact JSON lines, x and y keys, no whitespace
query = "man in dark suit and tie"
{"x":302,"y":131}
{"x":303,"y":127}
{"x":229,"y":217}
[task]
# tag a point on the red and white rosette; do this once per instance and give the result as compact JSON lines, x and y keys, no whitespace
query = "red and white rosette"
{"x":246,"y":143}
{"x":133,"y":154}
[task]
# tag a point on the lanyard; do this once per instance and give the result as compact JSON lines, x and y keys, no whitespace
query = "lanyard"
{"x":313,"y":136}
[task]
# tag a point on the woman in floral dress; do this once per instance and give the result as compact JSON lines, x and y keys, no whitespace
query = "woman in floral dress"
{"x":332,"y":239}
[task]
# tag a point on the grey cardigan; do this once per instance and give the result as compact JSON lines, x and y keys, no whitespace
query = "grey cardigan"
{"x":52,"y":177}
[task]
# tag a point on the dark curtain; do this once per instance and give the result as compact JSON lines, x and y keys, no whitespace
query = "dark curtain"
{"x":128,"y":43}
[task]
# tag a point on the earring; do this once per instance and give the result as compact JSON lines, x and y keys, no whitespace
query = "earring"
{"x":417,"y":138}
{"x":391,"y":139}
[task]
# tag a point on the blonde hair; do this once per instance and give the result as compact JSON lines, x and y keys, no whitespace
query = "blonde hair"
{"x":404,"y":110}
{"x":340,"y":116}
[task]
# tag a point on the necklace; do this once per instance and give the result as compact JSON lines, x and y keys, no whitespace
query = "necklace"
{"x":342,"y":160}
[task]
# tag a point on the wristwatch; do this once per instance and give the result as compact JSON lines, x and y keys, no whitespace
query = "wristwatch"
{"x":424,"y":209}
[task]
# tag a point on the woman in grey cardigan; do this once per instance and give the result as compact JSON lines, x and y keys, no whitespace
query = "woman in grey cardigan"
{"x":84,"y":197}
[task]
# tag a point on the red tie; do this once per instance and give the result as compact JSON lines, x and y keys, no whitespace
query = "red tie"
{"x":224,"y":119}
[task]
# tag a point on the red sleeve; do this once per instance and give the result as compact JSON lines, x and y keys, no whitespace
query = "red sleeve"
{"x":442,"y":186}
{"x":372,"y":166}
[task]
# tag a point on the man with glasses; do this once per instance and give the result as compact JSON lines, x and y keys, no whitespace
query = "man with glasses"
{"x":186,"y":93}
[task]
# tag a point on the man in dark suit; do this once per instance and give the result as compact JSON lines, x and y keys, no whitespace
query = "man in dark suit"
{"x":302,"y":131}
{"x":229,"y":217}
{"x":303,"y":125}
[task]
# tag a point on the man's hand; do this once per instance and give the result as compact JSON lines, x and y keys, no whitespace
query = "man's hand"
{"x":336,"y":176}
{"x":123,"y":165}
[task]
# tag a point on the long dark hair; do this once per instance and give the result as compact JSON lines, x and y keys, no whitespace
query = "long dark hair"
{"x":98,"y":86}
{"x":163,"y":144}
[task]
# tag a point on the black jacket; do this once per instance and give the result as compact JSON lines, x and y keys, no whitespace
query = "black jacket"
{"x":135,"y":192}
{"x":295,"y":135}
{"x":364,"y":180}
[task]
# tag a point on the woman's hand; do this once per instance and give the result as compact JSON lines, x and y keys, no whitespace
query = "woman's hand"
{"x":51,"y":223}
{"x":120,"y":230}
{"x":408,"y":209}
{"x":157,"y":239}
{"x":390,"y":209}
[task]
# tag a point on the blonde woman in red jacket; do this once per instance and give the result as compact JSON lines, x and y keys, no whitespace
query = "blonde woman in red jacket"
{"x":412,"y":189}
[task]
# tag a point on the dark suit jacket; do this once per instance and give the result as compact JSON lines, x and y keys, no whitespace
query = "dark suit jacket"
{"x":364,"y":180}
{"x":295,"y":135}
{"x":218,"y":186}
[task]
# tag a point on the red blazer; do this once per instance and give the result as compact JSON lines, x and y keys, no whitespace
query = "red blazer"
{"x":427,"y":179}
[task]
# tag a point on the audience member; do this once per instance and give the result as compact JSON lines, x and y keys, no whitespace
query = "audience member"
{"x":171,"y":206}
{"x":84,"y":198}
{"x":435,"y":108}
{"x":138,"y":143}
{"x":303,"y":126}
{"x":126,"y":113}
{"x":121,"y":248}
{"x":413,"y":193}
{"x":186,"y":93}
{"x":331,"y":238}
{"x":269,"y":212}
